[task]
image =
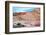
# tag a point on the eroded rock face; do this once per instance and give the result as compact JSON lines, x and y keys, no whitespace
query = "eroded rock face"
{"x":28,"y":18}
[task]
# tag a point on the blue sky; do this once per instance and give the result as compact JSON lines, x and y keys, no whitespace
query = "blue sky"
{"x":21,"y":9}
